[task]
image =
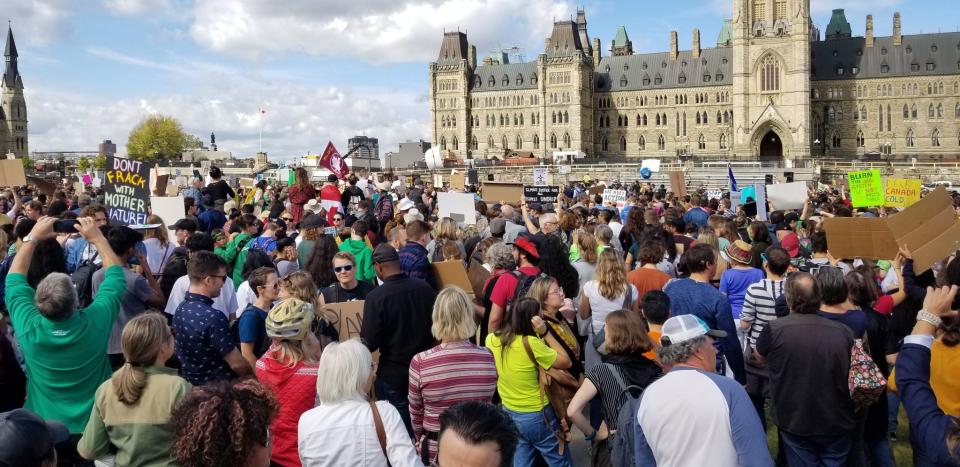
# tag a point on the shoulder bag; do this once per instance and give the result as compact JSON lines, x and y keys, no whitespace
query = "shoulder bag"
{"x":381,"y":433}
{"x":558,"y":387}
{"x":865,"y":379}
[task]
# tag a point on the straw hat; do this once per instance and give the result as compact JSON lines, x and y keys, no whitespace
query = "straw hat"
{"x":737,"y":252}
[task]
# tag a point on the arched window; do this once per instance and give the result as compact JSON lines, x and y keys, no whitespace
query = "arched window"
{"x":658,"y":120}
{"x":553,"y":117}
{"x":533,"y":79}
{"x":490,"y":143}
{"x":491,"y":81}
{"x":726,"y":116}
{"x":566,"y":140}
{"x":505,"y":81}
{"x":553,"y":141}
{"x":939,"y":110}
{"x":456,"y":144}
{"x":719,"y":118}
{"x":663,"y":119}
{"x":698,"y":118}
{"x":863,"y":113}
{"x":931,"y":112}
{"x":642,"y":144}
{"x":638,"y":120}
{"x":603,"y":144}
{"x":503,"y":139}
{"x":831,"y":114}
{"x":910,"y":137}
{"x":836,"y":140}
{"x":519,"y":142}
{"x":661,"y":143}
{"x":519,"y":80}
{"x":935,"y":138}
{"x":623,"y":143}
{"x":645,"y":119}
{"x":701,"y":143}
{"x":956,"y":111}
{"x":769,"y":73}
{"x":860,"y":141}
{"x":443,"y":143}
{"x":566,"y":117}
{"x":474,"y":144}
{"x":913,"y":112}
{"x":723,"y":141}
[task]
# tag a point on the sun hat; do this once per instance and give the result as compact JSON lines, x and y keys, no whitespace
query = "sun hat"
{"x":405,"y":204}
{"x":524,"y":243}
{"x":412,"y":215}
{"x":683,"y":328}
{"x":738,"y":252}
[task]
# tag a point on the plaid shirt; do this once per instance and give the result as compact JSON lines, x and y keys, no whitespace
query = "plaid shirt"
{"x":414,"y":262}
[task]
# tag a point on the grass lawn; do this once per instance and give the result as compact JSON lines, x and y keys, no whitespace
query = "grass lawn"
{"x":902,"y":452}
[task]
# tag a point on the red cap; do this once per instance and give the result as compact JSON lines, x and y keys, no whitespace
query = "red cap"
{"x":791,"y":243}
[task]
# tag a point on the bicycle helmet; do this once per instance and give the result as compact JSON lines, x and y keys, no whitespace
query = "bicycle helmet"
{"x":291,"y":319}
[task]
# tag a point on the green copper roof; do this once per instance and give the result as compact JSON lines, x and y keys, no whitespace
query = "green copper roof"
{"x":621,"y":39}
{"x":726,"y":34}
{"x":839,"y":26}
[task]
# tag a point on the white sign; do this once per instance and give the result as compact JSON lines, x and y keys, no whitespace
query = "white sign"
{"x":715,"y":194}
{"x":457,"y":206}
{"x":540,"y":176}
{"x":169,"y":208}
{"x":652,"y":164}
{"x":615,"y":197}
{"x":787,"y":195}
{"x":564,"y":169}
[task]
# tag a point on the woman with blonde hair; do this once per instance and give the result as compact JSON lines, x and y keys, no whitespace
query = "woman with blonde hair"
{"x":608,"y":291}
{"x":711,"y":239}
{"x":132,"y":408}
{"x":289,"y":369}
{"x":347,"y":428}
{"x":550,"y":295}
{"x":158,"y":245}
{"x":454,"y":371}
{"x":585,"y":261}
{"x":445,"y":230}
{"x":300,"y":285}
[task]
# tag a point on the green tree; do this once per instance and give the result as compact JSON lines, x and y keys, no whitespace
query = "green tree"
{"x":157,"y":137}
{"x":192,"y":142}
{"x":83,"y":164}
{"x":27,"y":163}
{"x":100,"y":162}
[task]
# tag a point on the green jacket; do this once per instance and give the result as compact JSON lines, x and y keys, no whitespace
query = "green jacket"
{"x":364,"y":255}
{"x":234,"y":254}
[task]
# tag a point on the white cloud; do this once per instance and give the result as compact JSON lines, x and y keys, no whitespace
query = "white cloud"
{"x":38,"y":22}
{"x":374,"y":30}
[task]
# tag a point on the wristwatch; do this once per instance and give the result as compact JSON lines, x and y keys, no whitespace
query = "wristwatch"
{"x":926,"y":316}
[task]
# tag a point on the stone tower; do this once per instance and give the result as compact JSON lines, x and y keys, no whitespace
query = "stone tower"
{"x":449,"y":89}
{"x":771,"y":85}
{"x":13,"y":107}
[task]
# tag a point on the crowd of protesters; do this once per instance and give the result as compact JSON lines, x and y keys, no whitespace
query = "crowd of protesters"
{"x":671,"y":330}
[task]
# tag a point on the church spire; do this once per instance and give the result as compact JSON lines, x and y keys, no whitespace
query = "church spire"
{"x":11,"y":49}
{"x":10,"y":73}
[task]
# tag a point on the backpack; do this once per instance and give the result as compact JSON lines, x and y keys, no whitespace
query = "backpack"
{"x":621,"y":447}
{"x":524,"y":282}
{"x":83,"y":280}
{"x":865,"y":380}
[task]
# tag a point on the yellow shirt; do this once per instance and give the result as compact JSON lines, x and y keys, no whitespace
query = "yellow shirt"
{"x":944,"y":377}
{"x":518,"y":381}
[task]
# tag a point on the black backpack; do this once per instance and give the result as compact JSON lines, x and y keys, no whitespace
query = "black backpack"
{"x":622,"y":448}
{"x":83,"y":280}
{"x":524,"y":282}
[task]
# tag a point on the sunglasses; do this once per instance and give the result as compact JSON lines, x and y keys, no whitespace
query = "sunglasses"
{"x":338,"y":219}
{"x":287,"y":219}
{"x":346,"y":268}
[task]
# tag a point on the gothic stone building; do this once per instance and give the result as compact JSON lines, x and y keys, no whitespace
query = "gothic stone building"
{"x":770,"y":89}
{"x":13,"y":108}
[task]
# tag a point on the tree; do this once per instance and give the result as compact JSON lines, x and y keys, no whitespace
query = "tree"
{"x":27,"y":163}
{"x":83,"y":164}
{"x":100,"y":162}
{"x":157,"y":137}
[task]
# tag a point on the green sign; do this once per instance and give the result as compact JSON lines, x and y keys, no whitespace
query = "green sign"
{"x":866,"y":188}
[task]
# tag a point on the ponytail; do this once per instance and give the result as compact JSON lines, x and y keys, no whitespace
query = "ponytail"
{"x":142,"y":340}
{"x":129,"y":382}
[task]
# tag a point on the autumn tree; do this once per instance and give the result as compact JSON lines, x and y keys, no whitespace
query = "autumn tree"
{"x":157,"y":137}
{"x":83,"y":164}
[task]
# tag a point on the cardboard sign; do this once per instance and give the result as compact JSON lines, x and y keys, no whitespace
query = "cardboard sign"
{"x":597,"y":190}
{"x":452,"y":273}
{"x":929,"y":229}
{"x":678,"y":184}
{"x":346,"y":317}
{"x":246,"y":182}
{"x":78,"y":187}
{"x":493,"y":192}
{"x":11,"y":173}
{"x":859,"y":237}
{"x":564,"y":170}
{"x":126,"y":190}
{"x":478,"y":277}
{"x":652,"y":164}
{"x":541,"y":194}
{"x":160,"y":185}
{"x":45,"y":187}
{"x":761,"y":202}
{"x":616,"y":198}
{"x":787,"y":195}
{"x":457,"y":206}
{"x":901,"y":192}
{"x":169,"y":208}
{"x":540,"y":176}
{"x":866,"y":188}
{"x":458,"y":181}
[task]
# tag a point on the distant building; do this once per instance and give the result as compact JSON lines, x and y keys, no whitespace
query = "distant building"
{"x":364,"y":153}
{"x":13,"y":107}
{"x":108,"y":148}
{"x":410,"y":153}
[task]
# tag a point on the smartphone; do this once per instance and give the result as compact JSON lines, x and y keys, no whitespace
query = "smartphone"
{"x":65,"y":226}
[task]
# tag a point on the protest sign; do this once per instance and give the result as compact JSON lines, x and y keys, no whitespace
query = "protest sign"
{"x":345,"y":317}
{"x":714,"y":194}
{"x":452,"y":273}
{"x":866,"y":188}
{"x":11,"y":173}
{"x":169,"y":208}
{"x":87,"y":179}
{"x":126,"y":190}
{"x":652,"y":164}
{"x":458,"y":181}
{"x":929,"y":228}
{"x":246,"y":182}
{"x":78,"y":187}
{"x":457,"y":206}
{"x":160,"y":185}
{"x":493,"y":192}
{"x":478,"y":277}
{"x":761,"y":202}
{"x":678,"y":184}
{"x":541,"y":194}
{"x":45,"y":186}
{"x":616,"y":198}
{"x":901,"y":192}
{"x":596,"y":189}
{"x":859,"y":237}
{"x":787,"y":195}
{"x":734,"y":200}
{"x":540,"y":176}
{"x":564,"y":169}
{"x":437,"y":180}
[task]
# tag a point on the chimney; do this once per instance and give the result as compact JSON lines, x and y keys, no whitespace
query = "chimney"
{"x":596,"y":52}
{"x":696,"y":43}
{"x":897,"y":35}
{"x":673,"y":45}
{"x":472,"y":56}
{"x":869,"y":31}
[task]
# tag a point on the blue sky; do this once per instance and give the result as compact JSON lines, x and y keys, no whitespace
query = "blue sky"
{"x":324,"y":70}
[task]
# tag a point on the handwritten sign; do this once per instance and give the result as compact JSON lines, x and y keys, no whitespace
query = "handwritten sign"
{"x":127,"y":190}
{"x":617,"y":198}
{"x":345,"y":317}
{"x":866,"y":188}
{"x":901,"y":192}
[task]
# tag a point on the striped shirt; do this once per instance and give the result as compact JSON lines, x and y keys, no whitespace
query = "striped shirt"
{"x":444,"y":375}
{"x":759,"y":306}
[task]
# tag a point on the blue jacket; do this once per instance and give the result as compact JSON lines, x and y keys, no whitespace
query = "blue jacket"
{"x":211,"y":219}
{"x":928,"y":424}
{"x":696,"y":216}
{"x":74,"y":253}
{"x":414,"y":261}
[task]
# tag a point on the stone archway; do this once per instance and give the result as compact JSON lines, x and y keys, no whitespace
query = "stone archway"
{"x":771,"y":146}
{"x":771,"y":141}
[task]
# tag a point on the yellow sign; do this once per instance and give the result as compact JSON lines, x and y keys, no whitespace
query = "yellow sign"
{"x":866,"y":188}
{"x":901,"y":192}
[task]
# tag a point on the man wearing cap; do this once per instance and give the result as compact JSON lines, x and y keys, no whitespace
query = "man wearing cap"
{"x":28,"y":440}
{"x":497,"y":227}
{"x":397,"y":317}
{"x":693,"y":416}
{"x":808,"y":357}
{"x":528,"y":257}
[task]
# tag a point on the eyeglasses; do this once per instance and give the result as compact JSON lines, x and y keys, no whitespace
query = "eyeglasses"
{"x":223,"y":277}
{"x":338,"y":219}
{"x":287,"y":219}
{"x":346,"y":268}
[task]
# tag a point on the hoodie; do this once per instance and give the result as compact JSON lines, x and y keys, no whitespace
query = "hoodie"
{"x":296,"y":390}
{"x":363,"y":255}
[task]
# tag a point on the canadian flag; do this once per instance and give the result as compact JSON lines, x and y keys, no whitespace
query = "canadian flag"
{"x":333,"y":161}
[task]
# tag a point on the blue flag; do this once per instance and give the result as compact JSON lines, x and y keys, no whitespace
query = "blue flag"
{"x":733,"y":181}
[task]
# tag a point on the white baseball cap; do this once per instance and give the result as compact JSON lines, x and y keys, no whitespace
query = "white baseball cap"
{"x":682,"y":328}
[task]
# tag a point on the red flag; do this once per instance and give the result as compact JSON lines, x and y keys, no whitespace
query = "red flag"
{"x":333,"y":161}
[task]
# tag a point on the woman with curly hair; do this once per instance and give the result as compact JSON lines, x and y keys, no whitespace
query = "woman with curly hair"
{"x":320,"y":264}
{"x":224,"y":424}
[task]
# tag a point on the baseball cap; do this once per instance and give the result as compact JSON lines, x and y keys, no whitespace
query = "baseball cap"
{"x":384,"y":254}
{"x":498,"y":226}
{"x":311,"y":221}
{"x":27,"y":439}
{"x":185,"y":224}
{"x":527,"y":245}
{"x":682,"y":328}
